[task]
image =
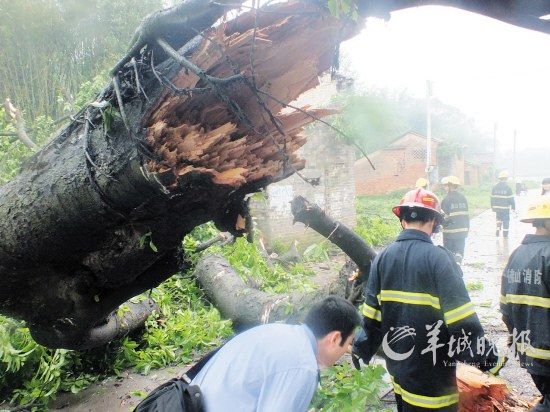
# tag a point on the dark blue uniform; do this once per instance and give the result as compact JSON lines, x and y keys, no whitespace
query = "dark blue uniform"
{"x":525,"y":307}
{"x":502,"y":199}
{"x":457,"y":222}
{"x":418,"y":309}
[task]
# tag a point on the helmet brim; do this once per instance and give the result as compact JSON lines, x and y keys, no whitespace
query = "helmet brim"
{"x":397,"y":209}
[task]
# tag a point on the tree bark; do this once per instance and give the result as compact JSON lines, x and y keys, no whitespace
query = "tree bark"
{"x":247,"y":306}
{"x":346,"y":239}
{"x":98,"y":215}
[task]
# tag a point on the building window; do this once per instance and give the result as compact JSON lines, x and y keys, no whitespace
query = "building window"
{"x":418,"y":153}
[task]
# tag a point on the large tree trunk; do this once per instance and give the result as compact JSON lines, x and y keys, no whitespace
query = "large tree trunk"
{"x":98,"y":215}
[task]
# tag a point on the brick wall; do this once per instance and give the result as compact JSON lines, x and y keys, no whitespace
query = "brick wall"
{"x":471,"y":174}
{"x":398,"y":166}
{"x":325,"y":158}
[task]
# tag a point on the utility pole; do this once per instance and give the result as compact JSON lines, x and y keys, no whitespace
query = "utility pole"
{"x":428,"y":128}
{"x":514,"y":158}
{"x":495,"y":128}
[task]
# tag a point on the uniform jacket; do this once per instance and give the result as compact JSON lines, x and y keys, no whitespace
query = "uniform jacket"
{"x":502,"y":198}
{"x":525,"y":302}
{"x":457,"y":219}
{"x":415,"y":288}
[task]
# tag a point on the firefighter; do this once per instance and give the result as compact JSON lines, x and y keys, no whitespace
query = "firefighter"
{"x":417,"y":308}
{"x":502,"y":199}
{"x":421,"y":183}
{"x":525,"y":299}
{"x":457,"y":219}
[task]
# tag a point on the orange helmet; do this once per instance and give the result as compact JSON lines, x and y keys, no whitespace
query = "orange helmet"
{"x":420,"y":198}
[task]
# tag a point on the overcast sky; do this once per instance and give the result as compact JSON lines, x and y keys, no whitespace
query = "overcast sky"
{"x":491,"y":70}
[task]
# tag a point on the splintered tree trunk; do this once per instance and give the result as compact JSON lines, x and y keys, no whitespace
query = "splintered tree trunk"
{"x":97,"y":216}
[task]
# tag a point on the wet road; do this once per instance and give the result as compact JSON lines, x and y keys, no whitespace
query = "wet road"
{"x":484,"y":260}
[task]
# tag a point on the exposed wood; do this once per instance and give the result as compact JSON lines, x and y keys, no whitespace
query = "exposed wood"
{"x":480,"y":392}
{"x":98,"y":215}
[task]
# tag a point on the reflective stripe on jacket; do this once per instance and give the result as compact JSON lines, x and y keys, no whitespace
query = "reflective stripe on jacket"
{"x":414,"y":289}
{"x":502,"y":198}
{"x":525,"y":302}
{"x":457,"y":218}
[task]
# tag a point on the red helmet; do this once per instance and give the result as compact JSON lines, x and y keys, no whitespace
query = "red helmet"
{"x":421,"y":198}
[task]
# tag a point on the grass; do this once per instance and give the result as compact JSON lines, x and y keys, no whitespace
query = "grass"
{"x":477,"y":265}
{"x":376,"y":223}
{"x":471,"y":286}
{"x":478,"y":197}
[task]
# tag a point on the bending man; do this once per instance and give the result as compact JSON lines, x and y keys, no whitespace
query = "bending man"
{"x":275,"y":367}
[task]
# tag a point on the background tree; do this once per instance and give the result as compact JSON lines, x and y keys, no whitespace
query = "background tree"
{"x":50,"y":47}
{"x":376,"y":117}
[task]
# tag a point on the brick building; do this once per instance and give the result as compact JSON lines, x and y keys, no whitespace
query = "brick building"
{"x":398,"y":165}
{"x":326,"y":159}
{"x":478,"y":168}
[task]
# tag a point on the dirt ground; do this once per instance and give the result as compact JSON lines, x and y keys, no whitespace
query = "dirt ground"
{"x":485,"y":258}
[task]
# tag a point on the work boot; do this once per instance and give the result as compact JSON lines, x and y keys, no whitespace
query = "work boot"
{"x":497,"y":233}
{"x":505,"y":233}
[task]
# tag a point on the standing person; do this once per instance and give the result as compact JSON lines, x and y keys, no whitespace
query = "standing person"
{"x":525,"y":299}
{"x":546,"y":186}
{"x":502,"y":199}
{"x":418,"y":309}
{"x":519,"y":187}
{"x":274,"y":367}
{"x":457,"y":218}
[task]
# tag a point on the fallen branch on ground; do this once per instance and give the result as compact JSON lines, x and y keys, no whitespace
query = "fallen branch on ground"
{"x":247,"y":306}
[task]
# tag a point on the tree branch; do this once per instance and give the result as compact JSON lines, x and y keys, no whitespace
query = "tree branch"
{"x":14,"y":116}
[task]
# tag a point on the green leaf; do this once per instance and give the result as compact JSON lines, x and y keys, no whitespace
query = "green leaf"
{"x":139,"y":393}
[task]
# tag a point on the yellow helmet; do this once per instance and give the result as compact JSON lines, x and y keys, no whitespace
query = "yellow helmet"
{"x":453,"y":180}
{"x":421,"y":183}
{"x":503,"y":175}
{"x":539,"y":209}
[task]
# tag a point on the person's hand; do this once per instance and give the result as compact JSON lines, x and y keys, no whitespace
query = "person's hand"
{"x":356,"y":360}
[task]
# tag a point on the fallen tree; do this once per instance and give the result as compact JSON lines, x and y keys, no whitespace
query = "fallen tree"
{"x":189,"y":125}
{"x":247,"y":306}
{"x":98,"y":215}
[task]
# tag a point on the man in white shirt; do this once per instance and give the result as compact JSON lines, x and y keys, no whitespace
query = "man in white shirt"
{"x":275,"y":367}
